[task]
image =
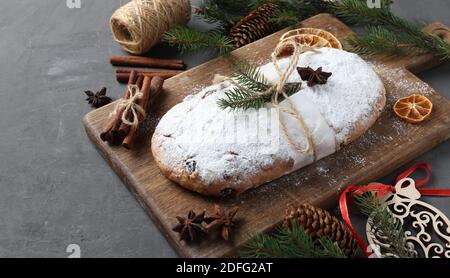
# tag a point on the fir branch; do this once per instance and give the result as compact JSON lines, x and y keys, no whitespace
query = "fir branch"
{"x":293,"y":11}
{"x":394,"y":36}
{"x":358,"y":12}
{"x":253,"y":91}
{"x":387,"y":229}
{"x":381,"y":41}
{"x":242,"y":99}
{"x":263,"y":246}
{"x":285,"y":18}
{"x":329,"y":249}
{"x":255,"y":4}
{"x":187,"y":39}
{"x":225,"y":13}
{"x":250,"y":77}
{"x":292,"y":242}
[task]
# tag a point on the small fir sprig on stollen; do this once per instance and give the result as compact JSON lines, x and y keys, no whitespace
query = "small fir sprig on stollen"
{"x":252,"y":91}
{"x":387,"y":229}
{"x":291,"y":242}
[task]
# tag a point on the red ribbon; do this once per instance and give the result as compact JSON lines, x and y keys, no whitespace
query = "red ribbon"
{"x":347,"y":196}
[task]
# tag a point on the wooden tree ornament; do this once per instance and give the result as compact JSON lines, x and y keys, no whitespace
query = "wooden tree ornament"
{"x":427,"y":229}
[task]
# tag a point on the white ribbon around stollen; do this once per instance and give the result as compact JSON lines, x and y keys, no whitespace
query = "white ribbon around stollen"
{"x":277,"y":90}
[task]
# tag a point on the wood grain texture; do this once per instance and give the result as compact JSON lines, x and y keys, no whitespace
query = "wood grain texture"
{"x":387,"y":146}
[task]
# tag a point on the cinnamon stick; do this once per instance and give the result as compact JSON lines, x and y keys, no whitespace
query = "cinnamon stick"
{"x":155,"y":90}
{"x":109,"y":135}
{"x":140,"y":81}
{"x":147,"y":71}
{"x":128,"y":141}
{"x":124,"y":129}
{"x":122,"y":75}
{"x":139,"y":61}
{"x":151,"y":89}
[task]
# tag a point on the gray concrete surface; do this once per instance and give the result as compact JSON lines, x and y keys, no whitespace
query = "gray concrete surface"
{"x":55,"y":189}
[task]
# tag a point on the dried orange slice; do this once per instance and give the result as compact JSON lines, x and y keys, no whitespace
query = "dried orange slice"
{"x":414,"y":109}
{"x":303,"y":39}
{"x":335,"y":43}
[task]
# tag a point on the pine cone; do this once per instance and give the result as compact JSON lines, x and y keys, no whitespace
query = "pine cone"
{"x":320,"y":223}
{"x":255,"y":26}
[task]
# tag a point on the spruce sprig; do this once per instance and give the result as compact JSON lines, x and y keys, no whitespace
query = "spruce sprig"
{"x":190,"y":40}
{"x":381,"y":41}
{"x":293,"y":11}
{"x":290,"y":242}
{"x":249,"y":76}
{"x":253,"y":90}
{"x":224,"y":13}
{"x":241,"y":99}
{"x":357,"y":12}
{"x":393,"y":31}
{"x":285,"y":18}
{"x":392,"y":36}
{"x":387,"y":229}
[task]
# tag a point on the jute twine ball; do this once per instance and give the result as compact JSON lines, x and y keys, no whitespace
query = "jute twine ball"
{"x":140,"y":24}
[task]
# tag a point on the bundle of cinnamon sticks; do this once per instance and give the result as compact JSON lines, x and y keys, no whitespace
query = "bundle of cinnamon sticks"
{"x":119,"y":133}
{"x":166,"y":68}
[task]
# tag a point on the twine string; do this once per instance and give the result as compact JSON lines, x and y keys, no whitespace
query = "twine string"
{"x":277,"y":90}
{"x":291,"y":110}
{"x":140,"y":24}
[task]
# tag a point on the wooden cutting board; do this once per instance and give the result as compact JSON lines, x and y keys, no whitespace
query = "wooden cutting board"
{"x":390,"y":144}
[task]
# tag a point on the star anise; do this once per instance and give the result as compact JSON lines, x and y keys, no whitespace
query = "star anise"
{"x":223,"y":220}
{"x":191,"y":227}
{"x":313,"y":77}
{"x":98,"y":99}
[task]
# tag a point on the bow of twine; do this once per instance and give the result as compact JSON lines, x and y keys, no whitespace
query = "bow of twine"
{"x":277,"y":89}
{"x":130,"y":105}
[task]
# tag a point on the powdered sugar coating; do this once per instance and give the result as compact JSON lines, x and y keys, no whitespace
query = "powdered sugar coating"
{"x":350,"y":94}
{"x":203,"y":145}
